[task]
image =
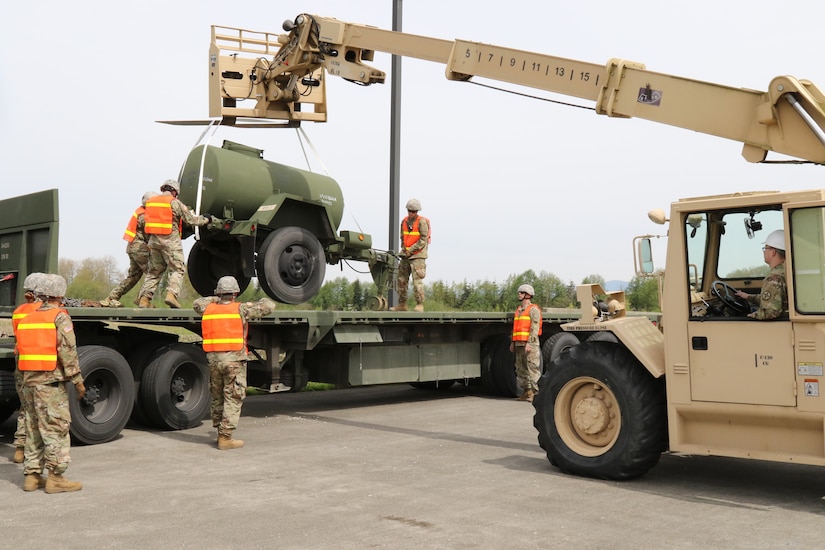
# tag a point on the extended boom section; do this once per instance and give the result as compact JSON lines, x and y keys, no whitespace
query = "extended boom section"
{"x":788,"y":118}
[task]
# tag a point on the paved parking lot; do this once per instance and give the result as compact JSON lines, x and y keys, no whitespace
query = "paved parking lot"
{"x":396,"y":467}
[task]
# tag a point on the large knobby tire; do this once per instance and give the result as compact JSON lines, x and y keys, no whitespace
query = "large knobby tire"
{"x":110,"y":395}
{"x":291,"y":265}
{"x":174,"y":390}
{"x":556,"y":345}
{"x":600,"y":414}
{"x":205,"y":267}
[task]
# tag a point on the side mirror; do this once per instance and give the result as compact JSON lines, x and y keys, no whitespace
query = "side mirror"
{"x":644,"y":256}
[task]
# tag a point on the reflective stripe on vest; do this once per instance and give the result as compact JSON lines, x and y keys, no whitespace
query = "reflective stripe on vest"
{"x":21,"y":311}
{"x":131,"y":229}
{"x":411,"y":234}
{"x":223,"y":328}
{"x":37,"y":340}
{"x":158,"y":215}
{"x":521,"y":324}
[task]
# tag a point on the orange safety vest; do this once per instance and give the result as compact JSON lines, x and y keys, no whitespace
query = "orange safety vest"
{"x":131,"y":229}
{"x":21,"y":311}
{"x":521,"y":324}
{"x":37,"y":340}
{"x":411,"y":234}
{"x":158,"y":215}
{"x":223,"y":328}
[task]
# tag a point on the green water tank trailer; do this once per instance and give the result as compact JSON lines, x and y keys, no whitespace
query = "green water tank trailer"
{"x":277,"y":222}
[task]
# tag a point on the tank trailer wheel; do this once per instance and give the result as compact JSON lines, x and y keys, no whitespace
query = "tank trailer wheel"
{"x":204,"y":268}
{"x":600,"y":414}
{"x":110,"y":395}
{"x":291,"y":265}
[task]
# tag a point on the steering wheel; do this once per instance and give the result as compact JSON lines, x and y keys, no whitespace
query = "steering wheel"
{"x":727,"y":295}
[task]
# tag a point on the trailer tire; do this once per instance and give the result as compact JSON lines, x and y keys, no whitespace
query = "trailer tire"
{"x":110,"y":395}
{"x":600,"y":414}
{"x":138,"y":360}
{"x":556,"y":345}
{"x":8,"y":407}
{"x":174,"y":390}
{"x":504,"y":370}
{"x":291,"y":265}
{"x":488,"y":352}
{"x":205,"y":268}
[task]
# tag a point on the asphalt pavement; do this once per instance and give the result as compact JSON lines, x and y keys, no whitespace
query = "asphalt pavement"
{"x":396,"y":467}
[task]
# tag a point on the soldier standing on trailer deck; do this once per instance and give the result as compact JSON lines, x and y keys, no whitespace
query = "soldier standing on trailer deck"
{"x":138,"y":251}
{"x":47,"y":357}
{"x":163,"y":220}
{"x":224,"y":327}
{"x":32,"y":303}
{"x":525,"y":344}
{"x":415,"y":239}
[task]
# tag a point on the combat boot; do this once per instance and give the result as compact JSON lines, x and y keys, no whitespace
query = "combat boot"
{"x":18,"y":455}
{"x":110,"y":300}
{"x":145,"y":302}
{"x":419,"y":307}
{"x":526,"y":396}
{"x":225,"y":442}
{"x":34,"y":482}
{"x":171,"y":300}
{"x":56,"y":483}
{"x":402,"y":306}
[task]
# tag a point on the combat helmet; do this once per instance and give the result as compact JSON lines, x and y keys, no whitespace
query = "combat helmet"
{"x":414,"y":205}
{"x":146,"y":196}
{"x":528,"y":289}
{"x":30,"y":282}
{"x":172,"y":184}
{"x":52,"y":286}
{"x":227,"y":285}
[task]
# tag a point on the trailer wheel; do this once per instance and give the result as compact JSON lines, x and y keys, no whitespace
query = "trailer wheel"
{"x":291,"y":265}
{"x":174,"y":390}
{"x":138,"y":360}
{"x":110,"y":394}
{"x":206,"y":266}
{"x":600,"y":414}
{"x":556,"y":345}
{"x":504,"y":370}
{"x":488,"y":352}
{"x":8,"y":407}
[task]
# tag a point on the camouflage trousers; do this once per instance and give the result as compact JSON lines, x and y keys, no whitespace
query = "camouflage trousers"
{"x":162,"y":260}
{"x":47,"y":428}
{"x":227,"y":386}
{"x":528,"y":367}
{"x":418,"y":270}
{"x":138,"y":266}
{"x":20,"y":432}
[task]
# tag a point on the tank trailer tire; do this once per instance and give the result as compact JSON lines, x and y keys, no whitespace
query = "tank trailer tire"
{"x":110,"y":395}
{"x":291,"y":265}
{"x":205,"y":268}
{"x":600,"y":414}
{"x":174,"y":390}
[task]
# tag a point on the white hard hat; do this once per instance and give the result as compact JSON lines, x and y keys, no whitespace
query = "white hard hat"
{"x":528,"y":289}
{"x":776,"y":239}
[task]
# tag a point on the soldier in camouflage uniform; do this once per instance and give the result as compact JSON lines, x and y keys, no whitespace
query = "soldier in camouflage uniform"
{"x":165,"y":248}
{"x":772,"y":301}
{"x":32,"y":303}
{"x":415,"y":239}
{"x":525,"y":343}
{"x":47,"y":357}
{"x":224,"y":327}
{"x":138,"y":251}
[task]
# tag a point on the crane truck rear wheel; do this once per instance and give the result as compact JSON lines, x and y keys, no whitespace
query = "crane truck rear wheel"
{"x":291,"y":265}
{"x":110,"y":395}
{"x":206,"y":265}
{"x":556,"y":345}
{"x":600,"y":414}
{"x":174,"y":390}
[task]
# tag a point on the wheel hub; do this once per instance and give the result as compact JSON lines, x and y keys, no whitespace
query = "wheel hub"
{"x":295,"y":265}
{"x":591,"y":415}
{"x":178,"y":388}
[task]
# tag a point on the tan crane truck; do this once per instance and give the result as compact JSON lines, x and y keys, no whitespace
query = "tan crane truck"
{"x":619,"y":391}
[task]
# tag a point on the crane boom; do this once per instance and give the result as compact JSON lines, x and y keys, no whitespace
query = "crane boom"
{"x":788,"y":118}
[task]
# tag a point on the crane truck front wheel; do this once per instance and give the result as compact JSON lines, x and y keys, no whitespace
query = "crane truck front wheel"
{"x":600,"y":414}
{"x":291,"y":265}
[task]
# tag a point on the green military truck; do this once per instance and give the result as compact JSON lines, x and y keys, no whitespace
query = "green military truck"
{"x":136,"y":368}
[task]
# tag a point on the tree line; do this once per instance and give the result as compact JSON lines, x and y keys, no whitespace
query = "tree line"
{"x":93,"y":278}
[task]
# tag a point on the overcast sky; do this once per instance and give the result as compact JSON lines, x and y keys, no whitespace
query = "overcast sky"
{"x":510,"y":183}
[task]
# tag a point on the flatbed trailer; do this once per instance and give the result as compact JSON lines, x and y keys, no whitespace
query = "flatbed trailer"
{"x":139,"y":364}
